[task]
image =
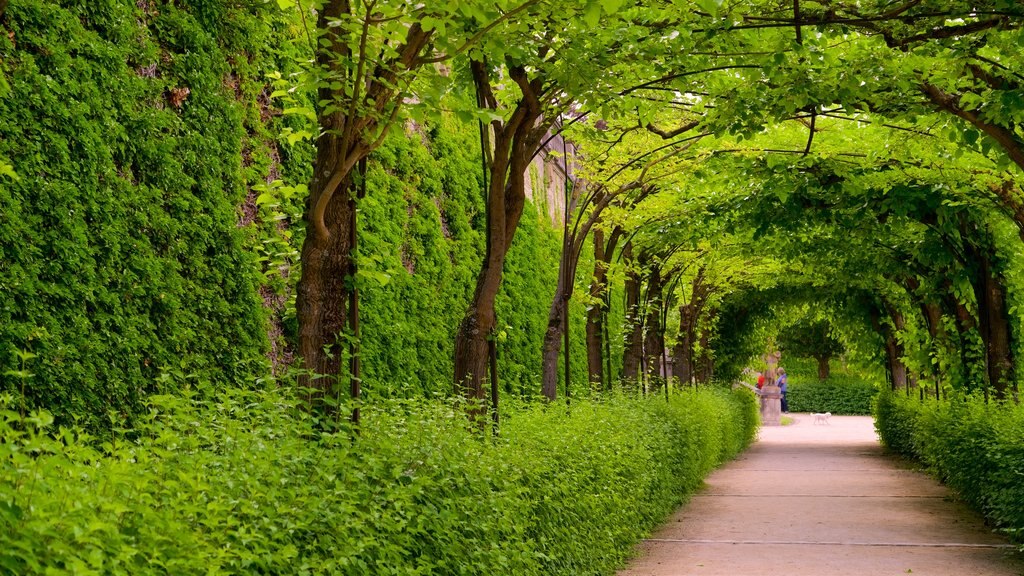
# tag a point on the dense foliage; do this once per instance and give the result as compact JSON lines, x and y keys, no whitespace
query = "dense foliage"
{"x":246,"y":483}
{"x":121,"y":255}
{"x":972,"y":445}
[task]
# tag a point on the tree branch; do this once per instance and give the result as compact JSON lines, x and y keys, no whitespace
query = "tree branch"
{"x":666,"y":134}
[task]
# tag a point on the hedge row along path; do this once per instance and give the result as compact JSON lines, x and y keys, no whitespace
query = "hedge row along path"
{"x":818,"y":500}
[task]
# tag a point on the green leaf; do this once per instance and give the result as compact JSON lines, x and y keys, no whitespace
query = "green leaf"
{"x":8,"y":170}
{"x":710,"y":6}
{"x":612,"y":6}
{"x":592,"y":15}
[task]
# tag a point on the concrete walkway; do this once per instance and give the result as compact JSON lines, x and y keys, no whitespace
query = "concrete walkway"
{"x":823,"y":500}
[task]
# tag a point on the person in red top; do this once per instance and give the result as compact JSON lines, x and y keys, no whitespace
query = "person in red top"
{"x":760,"y":381}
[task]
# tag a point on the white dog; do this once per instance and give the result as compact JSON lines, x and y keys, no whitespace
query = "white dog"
{"x":821,"y":418}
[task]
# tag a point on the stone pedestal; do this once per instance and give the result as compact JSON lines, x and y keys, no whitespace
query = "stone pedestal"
{"x":771,"y":405}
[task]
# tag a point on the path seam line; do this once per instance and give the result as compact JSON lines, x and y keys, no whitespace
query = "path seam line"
{"x":809,"y":543}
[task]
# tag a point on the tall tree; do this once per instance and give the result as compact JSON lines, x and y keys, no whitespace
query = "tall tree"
{"x":369,"y":56}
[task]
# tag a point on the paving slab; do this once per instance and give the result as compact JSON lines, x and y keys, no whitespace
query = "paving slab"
{"x":823,"y":499}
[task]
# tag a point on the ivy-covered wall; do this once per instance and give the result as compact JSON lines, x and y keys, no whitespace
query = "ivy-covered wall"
{"x":154,"y":220}
{"x":122,"y":257}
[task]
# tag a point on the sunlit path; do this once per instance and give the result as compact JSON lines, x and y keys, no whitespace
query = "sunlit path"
{"x":823,"y":500}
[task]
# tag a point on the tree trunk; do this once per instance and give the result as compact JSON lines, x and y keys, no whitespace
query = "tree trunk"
{"x":997,"y":346}
{"x":932,"y":313}
{"x":706,"y":362}
{"x":634,"y":330}
{"x":823,"y":368}
{"x":689,"y":318}
{"x":894,"y":349}
{"x":552,"y":344}
{"x":515,"y":142}
{"x":352,"y":126}
{"x":597,"y":313}
{"x":477,"y":326}
{"x":682,"y":354}
{"x":965,"y":329}
{"x":654,"y":341}
{"x":323,"y":290}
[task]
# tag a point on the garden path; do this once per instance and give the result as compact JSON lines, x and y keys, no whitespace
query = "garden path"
{"x":823,"y":500}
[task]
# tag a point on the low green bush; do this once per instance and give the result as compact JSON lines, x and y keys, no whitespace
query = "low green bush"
{"x":249,"y":484}
{"x":835,"y":395}
{"x":973,"y":446}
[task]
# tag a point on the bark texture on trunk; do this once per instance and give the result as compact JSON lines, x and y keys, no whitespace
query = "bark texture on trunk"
{"x":823,"y":367}
{"x":515,"y":142}
{"x":689,"y":319}
{"x":351,"y":129}
{"x":322,"y":292}
{"x":894,"y":349}
{"x":654,"y":336}
{"x":596,"y":312}
{"x":552,"y":343}
{"x":996,"y":318}
{"x":632,"y":353}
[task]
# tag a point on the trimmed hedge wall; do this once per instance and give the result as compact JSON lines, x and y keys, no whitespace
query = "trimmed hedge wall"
{"x":847,"y":390}
{"x":836,"y":395}
{"x":974,"y":447}
{"x":245,"y":485}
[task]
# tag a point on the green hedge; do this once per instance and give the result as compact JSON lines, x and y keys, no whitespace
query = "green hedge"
{"x":847,"y":390}
{"x":835,"y":395}
{"x":121,"y":251}
{"x":974,"y":447}
{"x":245,"y":485}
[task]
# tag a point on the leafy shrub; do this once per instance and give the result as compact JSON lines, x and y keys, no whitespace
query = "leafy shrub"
{"x":973,"y":446}
{"x":245,"y":484}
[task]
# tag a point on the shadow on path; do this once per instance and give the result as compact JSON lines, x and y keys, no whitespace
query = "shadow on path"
{"x":813,"y":499}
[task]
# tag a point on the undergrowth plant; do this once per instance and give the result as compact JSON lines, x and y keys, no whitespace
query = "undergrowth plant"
{"x":246,"y":482}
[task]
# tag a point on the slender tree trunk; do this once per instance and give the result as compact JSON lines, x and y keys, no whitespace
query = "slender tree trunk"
{"x":998,"y":346}
{"x":515,"y":142}
{"x":634,"y":330}
{"x":552,"y":343}
{"x":689,"y":320}
{"x":932,"y":313}
{"x":322,"y":293}
{"x":654,"y":343}
{"x":596,"y":314}
{"x":471,"y":347}
{"x":895,"y":351}
{"x":682,"y":354}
